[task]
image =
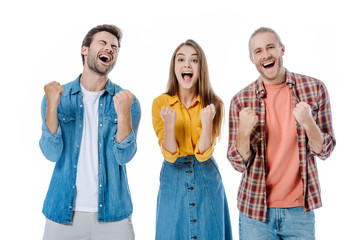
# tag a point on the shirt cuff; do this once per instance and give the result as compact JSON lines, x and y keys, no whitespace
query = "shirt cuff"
{"x":129,"y":140}
{"x":205,"y":155}
{"x":170,"y":157}
{"x":49,"y":136}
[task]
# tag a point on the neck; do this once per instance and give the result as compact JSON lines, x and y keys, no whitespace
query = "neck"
{"x":187,"y":96}
{"x":276,"y":81}
{"x":93,"y":82}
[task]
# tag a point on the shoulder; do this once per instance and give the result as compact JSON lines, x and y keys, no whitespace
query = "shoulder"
{"x":246,"y":93}
{"x":163,"y":99}
{"x":307,"y":82}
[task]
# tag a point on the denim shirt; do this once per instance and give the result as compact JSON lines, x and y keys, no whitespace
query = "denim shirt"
{"x":63,"y":147}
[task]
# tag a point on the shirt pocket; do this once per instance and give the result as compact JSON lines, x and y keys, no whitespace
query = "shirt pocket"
{"x":110,"y":124}
{"x":63,"y":118}
{"x":67,"y":124}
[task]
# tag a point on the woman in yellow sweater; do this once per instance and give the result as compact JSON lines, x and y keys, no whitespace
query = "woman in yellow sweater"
{"x":187,"y":120}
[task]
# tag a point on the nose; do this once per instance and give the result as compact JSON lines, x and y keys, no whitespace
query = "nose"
{"x":187,"y":64}
{"x":266,"y":54}
{"x":108,"y":48}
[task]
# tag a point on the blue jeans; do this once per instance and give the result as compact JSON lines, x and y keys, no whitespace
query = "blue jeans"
{"x":281,"y":223}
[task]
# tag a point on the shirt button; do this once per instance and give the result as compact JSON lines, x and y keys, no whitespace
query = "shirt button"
{"x":73,"y":186}
{"x":191,"y":188}
{"x":74,"y":166}
{"x":100,"y":185}
{"x":70,"y":207}
{"x":100,"y":144}
{"x":192,"y":204}
{"x":100,"y":205}
{"x":101,"y":104}
{"x":77,"y":146}
{"x":80,"y":125}
{"x":80,"y":105}
{"x":100,"y":124}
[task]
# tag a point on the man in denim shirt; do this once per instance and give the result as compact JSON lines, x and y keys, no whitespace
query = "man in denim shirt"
{"x":89,"y":130}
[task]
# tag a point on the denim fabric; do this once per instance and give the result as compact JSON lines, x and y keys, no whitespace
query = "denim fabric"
{"x":192,"y":202}
{"x":63,"y":148}
{"x":281,"y":223}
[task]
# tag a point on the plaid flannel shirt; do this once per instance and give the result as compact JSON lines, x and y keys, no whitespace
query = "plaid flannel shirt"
{"x":252,"y":190}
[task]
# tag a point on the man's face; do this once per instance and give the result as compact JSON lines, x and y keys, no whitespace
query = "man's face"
{"x":266,"y":53}
{"x":102,"y":53}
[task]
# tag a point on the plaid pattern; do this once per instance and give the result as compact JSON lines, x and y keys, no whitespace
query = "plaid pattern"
{"x":252,"y":190}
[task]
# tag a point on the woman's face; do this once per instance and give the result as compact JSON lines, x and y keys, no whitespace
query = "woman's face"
{"x":186,"y":67}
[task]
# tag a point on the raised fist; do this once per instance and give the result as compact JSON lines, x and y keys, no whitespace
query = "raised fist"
{"x":168,"y":115}
{"x":247,"y":121}
{"x":122,"y":102}
{"x":302,"y":113}
{"x":207,"y":114}
{"x":53,"y":90}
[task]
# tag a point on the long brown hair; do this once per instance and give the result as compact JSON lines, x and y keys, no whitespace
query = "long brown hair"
{"x":203,"y":86}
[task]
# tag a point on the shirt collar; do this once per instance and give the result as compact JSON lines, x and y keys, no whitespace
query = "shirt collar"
{"x":174,"y":99}
{"x":109,"y":87}
{"x":261,"y":91}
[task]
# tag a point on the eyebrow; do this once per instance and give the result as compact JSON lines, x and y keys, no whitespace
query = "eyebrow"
{"x":194,"y":54}
{"x":112,"y":45}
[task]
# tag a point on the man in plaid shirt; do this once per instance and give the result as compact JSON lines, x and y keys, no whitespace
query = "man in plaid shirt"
{"x":277,"y":125}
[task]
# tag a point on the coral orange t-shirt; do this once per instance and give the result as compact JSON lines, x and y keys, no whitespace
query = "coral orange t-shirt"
{"x":284,"y":187}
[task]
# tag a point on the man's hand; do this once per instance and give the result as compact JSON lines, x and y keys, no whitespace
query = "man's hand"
{"x":122,"y":103}
{"x":247,"y":121}
{"x":53,"y":90}
{"x":302,"y":113}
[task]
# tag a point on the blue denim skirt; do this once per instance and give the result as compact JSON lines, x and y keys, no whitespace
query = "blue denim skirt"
{"x":191,"y":201}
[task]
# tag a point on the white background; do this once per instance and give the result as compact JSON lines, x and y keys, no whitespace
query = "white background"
{"x":41,"y":40}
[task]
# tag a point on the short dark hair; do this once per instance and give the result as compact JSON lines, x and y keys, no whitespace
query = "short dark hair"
{"x":114,"y":30}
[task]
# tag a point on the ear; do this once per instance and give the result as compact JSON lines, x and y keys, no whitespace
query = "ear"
{"x":282,"y":50}
{"x":84,"y":50}
{"x":251,"y":59}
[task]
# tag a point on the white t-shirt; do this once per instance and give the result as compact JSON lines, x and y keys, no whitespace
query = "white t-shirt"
{"x":87,"y":169}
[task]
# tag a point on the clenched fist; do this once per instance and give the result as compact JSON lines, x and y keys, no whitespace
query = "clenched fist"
{"x":247,"y":121}
{"x":168,"y":115}
{"x":302,"y":113}
{"x":122,"y":102}
{"x":207,"y":115}
{"x":53,"y":90}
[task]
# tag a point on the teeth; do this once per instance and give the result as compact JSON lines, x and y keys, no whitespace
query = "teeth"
{"x":267,"y":64}
{"x":105,"y":56}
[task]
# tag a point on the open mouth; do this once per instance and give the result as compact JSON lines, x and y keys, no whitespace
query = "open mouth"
{"x":186,"y":76}
{"x":268,"y":65}
{"x":105,"y":58}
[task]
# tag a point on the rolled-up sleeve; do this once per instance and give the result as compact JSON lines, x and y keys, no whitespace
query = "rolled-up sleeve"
{"x":51,"y":145}
{"x":237,"y":161}
{"x":324,"y":121}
